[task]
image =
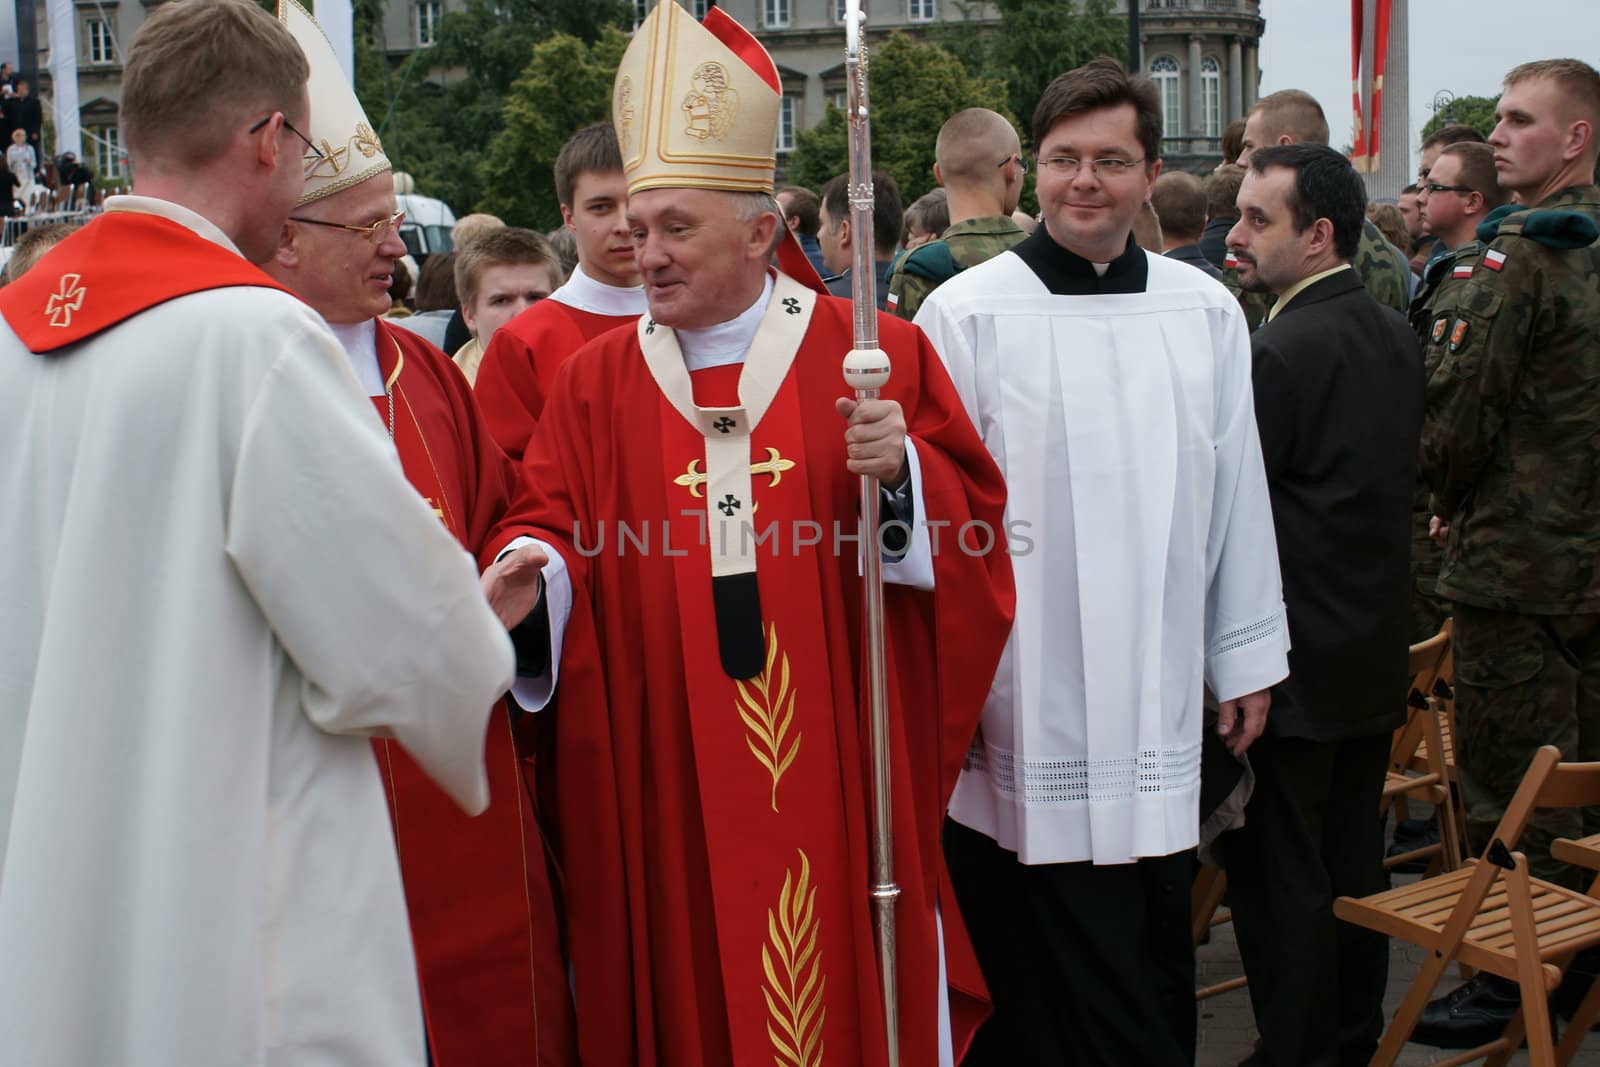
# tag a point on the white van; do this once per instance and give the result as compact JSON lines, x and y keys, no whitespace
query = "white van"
{"x":428,"y":221}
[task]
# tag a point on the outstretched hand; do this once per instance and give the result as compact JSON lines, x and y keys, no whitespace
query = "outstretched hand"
{"x":513,"y":582}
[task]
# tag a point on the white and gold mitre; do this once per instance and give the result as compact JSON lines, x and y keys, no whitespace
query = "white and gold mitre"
{"x":696,"y":105}
{"x":350,"y":149}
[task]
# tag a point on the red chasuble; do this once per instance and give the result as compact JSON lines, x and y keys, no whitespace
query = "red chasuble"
{"x":715,"y":832}
{"x":101,"y":275}
{"x":494,"y":987}
{"x":521,"y":362}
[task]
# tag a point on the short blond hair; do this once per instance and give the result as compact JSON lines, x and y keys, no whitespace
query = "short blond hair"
{"x":1577,"y":80}
{"x":200,"y":71}
{"x":508,"y":246}
{"x":469,"y":228}
{"x":1294,"y":112}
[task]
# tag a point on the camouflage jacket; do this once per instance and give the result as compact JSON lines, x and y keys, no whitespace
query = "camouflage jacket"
{"x":1510,"y":448}
{"x":965,"y":244}
{"x":1381,"y":266}
{"x":1437,"y":282}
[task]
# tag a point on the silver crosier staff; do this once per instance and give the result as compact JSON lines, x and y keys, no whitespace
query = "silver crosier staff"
{"x":866,"y":370}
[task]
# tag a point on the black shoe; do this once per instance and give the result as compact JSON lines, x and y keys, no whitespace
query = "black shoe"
{"x":1472,"y":1015}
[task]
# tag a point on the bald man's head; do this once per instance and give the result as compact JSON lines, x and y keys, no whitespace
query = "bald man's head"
{"x":972,"y":145}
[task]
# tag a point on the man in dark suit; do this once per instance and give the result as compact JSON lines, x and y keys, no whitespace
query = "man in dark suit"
{"x":1338,"y":382}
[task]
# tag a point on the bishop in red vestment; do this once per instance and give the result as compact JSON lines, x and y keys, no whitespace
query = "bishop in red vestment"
{"x":694,"y":481}
{"x":478,"y":890}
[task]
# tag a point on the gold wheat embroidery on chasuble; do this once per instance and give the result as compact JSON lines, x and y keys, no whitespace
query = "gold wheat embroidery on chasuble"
{"x":766,"y":704}
{"x":795,"y":981}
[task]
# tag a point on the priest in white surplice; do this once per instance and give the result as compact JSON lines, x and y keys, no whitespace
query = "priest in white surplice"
{"x":218,"y":585}
{"x":1113,"y":388}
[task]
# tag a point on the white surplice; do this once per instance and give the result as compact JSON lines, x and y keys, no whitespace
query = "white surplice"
{"x":1143,"y":548}
{"x":217,"y":585}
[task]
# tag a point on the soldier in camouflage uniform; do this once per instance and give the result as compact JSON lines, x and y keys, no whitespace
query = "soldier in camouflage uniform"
{"x":978,"y":159}
{"x":1465,"y":193}
{"x":1511,"y":452}
{"x":1291,"y":116}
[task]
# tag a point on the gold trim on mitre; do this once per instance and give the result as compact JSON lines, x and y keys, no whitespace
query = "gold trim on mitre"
{"x":351,"y":152}
{"x":692,"y":113}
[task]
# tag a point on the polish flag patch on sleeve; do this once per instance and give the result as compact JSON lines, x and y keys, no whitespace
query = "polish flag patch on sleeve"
{"x":892,"y":301}
{"x":1494,"y":259}
{"x":1462,"y":271}
{"x":1230,"y":261}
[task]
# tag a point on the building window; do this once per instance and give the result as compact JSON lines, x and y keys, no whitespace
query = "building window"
{"x":107,"y":151}
{"x":1164,"y":72}
{"x":697,"y":8}
{"x":919,"y":10}
{"x":102,"y":49}
{"x":840,"y":99}
{"x":1211,"y":95}
{"x":427,"y":21}
{"x":786,"y":125}
{"x":838,"y":10}
{"x":777,"y":14}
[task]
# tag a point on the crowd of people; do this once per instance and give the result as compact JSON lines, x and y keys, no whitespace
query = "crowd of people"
{"x":480,"y":680}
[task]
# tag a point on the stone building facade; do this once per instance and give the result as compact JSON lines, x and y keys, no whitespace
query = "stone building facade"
{"x":1203,"y":55}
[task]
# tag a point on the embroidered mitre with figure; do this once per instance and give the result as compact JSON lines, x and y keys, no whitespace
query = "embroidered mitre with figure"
{"x":351,"y":152}
{"x":696,"y":105}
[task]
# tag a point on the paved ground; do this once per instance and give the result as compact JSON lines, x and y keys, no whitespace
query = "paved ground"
{"x":1228,"y":1032}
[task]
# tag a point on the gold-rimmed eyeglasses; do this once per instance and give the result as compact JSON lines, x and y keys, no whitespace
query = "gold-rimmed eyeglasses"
{"x":1068,"y":167}
{"x":377,"y":233}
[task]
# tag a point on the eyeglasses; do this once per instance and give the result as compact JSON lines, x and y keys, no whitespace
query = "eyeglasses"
{"x":1435,"y":187}
{"x":311,"y":149}
{"x":377,"y":233}
{"x":1068,"y":167}
{"x":1021,"y":160}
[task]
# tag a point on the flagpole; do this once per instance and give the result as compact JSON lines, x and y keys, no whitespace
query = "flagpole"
{"x":866,"y":370}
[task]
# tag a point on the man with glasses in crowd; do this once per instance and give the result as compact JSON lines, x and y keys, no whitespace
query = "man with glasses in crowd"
{"x":204,"y":621}
{"x":978,"y":159}
{"x":1460,"y":191}
{"x":478,"y":892}
{"x":1113,"y":387}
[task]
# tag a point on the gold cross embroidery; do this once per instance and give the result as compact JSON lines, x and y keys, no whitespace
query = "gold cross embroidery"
{"x":65,"y":301}
{"x":437,"y":510}
{"x":773,"y":466}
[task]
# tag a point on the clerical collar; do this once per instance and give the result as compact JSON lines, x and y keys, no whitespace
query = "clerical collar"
{"x":1066,"y":273}
{"x":726,"y":342}
{"x":596,"y":297}
{"x":192,"y":220}
{"x":360,"y":341}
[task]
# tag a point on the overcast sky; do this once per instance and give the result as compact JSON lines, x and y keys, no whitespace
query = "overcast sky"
{"x":1465,"y":46}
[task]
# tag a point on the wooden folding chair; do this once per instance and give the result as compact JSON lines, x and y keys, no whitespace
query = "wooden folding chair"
{"x":1205,"y":897}
{"x":1492,"y":915}
{"x":1416,"y":759}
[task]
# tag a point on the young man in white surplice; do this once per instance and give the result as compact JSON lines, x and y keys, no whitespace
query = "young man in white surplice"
{"x":1113,"y":388}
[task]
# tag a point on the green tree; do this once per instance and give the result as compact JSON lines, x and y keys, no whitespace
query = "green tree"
{"x":913,"y":88}
{"x":1474,"y":111}
{"x":439,"y":130}
{"x":1035,"y":41}
{"x":565,"y":86}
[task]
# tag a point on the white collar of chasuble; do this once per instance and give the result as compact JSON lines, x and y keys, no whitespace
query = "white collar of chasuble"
{"x":166,"y":209}
{"x":596,"y":297}
{"x":771,"y":350}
